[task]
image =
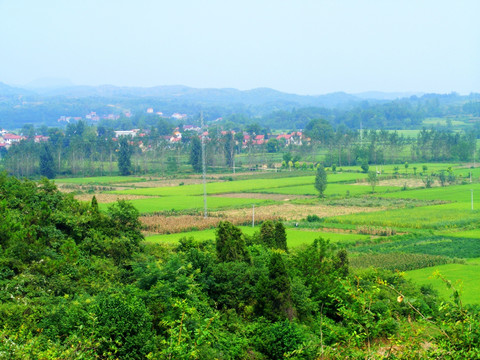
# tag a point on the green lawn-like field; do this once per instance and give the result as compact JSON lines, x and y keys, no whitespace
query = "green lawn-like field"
{"x":460,"y":193}
{"x":332,"y":190}
{"x":433,"y":217}
{"x":442,"y":122}
{"x":470,"y":234}
{"x":241,"y":185}
{"x":390,"y":168}
{"x":177,"y":203}
{"x":468,"y":274}
{"x":100,"y":180}
{"x":295,"y":237}
{"x":221,"y":187}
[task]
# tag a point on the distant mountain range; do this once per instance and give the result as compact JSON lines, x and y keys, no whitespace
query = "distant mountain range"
{"x":45,"y":101}
{"x":63,"y":88}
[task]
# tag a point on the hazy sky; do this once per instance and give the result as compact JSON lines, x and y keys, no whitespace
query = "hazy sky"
{"x":298,"y":46}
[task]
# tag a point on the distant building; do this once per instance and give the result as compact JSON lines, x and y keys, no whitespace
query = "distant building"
{"x":191,"y":128}
{"x":12,"y":138}
{"x":150,"y":111}
{"x":178,"y":116}
{"x":131,"y":133}
{"x":40,"y":138}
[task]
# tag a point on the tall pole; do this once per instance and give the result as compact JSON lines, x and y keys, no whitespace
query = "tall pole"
{"x":253,"y":215}
{"x":471,"y":195}
{"x":204,"y":168}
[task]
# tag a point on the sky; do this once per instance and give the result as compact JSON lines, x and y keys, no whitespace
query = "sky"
{"x":298,"y":46}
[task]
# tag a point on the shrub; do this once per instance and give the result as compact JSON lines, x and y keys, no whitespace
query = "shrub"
{"x":313,"y":218}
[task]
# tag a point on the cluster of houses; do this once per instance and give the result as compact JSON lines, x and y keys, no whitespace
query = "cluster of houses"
{"x":295,"y":138}
{"x":8,"y":139}
{"x":93,"y":116}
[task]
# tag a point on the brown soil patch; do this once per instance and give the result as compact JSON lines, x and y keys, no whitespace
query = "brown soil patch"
{"x":161,"y":224}
{"x":288,"y":211}
{"x":278,"y":197}
{"x":109,"y":198}
{"x":160,"y":183}
{"x":411,"y":183}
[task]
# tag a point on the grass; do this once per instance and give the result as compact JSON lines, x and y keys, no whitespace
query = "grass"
{"x":451,"y":247}
{"x":221,"y":187}
{"x":333,"y":190}
{"x":100,"y":180}
{"x":243,"y":185}
{"x":432,"y":217}
{"x":294,"y":237}
{"x":178,"y":203}
{"x":470,"y":234}
{"x":463,"y":276}
{"x":459,"y":193}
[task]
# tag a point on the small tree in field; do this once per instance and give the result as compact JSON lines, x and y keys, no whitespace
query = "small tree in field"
{"x":124,"y":153}
{"x":372,"y":179}
{"x":321,"y":181}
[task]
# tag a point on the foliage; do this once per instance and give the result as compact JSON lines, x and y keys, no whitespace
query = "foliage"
{"x":196,"y":154}
{"x":321,"y":181}
{"x":372,"y":179}
{"x":230,"y":244}
{"x":399,"y":261}
{"x":274,"y":291}
{"x":47,"y":165}
{"x":79,"y":282}
{"x":124,"y":154}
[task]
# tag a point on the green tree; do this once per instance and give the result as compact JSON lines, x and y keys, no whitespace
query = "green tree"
{"x":47,"y":164}
{"x":372,"y":179}
{"x":124,"y":154}
{"x":280,"y":236}
{"x":267,"y":234}
{"x":172,"y":165}
{"x":230,"y":244}
{"x":273,"y":145}
{"x":321,"y":181}
{"x":365,"y":166}
{"x":229,"y":149}
{"x":274,"y":292}
{"x":196,"y":154}
{"x":320,"y":131}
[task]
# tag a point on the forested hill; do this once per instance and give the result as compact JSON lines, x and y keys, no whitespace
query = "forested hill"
{"x":44,"y":106}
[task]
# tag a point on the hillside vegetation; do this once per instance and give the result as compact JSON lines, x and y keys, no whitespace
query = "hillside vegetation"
{"x":80,"y":283}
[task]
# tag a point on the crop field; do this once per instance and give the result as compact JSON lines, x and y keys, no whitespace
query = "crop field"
{"x":428,"y":217}
{"x":430,"y":244}
{"x":294,"y":237}
{"x":442,"y":122}
{"x":431,"y":236}
{"x":389,"y":169}
{"x":333,"y":190}
{"x":464,"y":277}
{"x":459,"y":193}
{"x":100,"y":180}
{"x":220,"y":187}
{"x":472,"y":234}
{"x":178,"y":203}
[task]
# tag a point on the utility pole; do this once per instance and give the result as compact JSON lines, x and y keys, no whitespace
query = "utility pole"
{"x":471,"y":195}
{"x":204,"y":168}
{"x":253,"y":215}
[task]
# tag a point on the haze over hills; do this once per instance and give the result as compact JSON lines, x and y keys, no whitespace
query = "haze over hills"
{"x":51,"y":101}
{"x":49,"y":87}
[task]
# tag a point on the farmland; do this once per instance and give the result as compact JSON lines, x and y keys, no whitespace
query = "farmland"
{"x":399,"y":226}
